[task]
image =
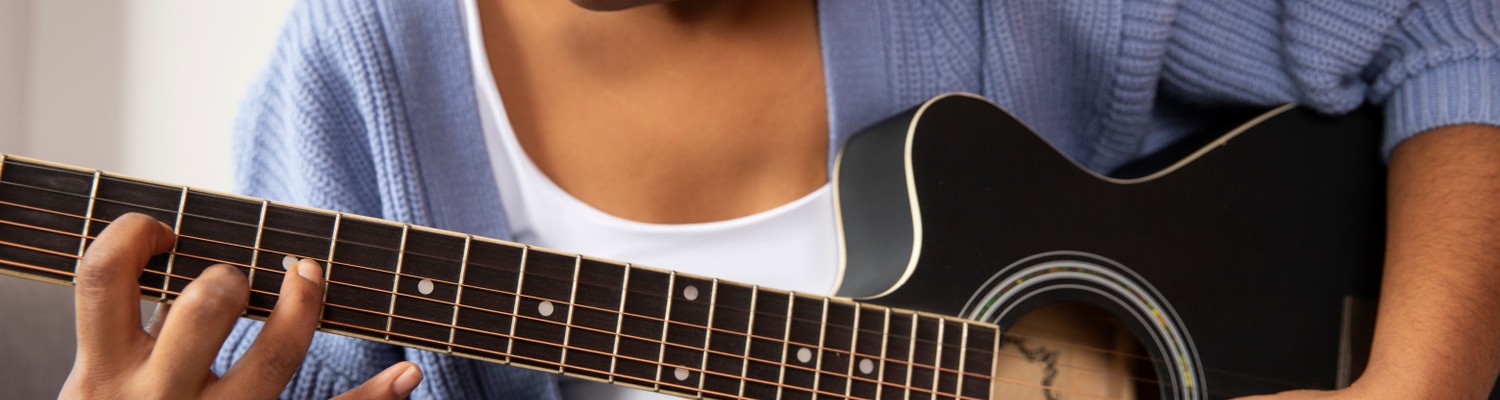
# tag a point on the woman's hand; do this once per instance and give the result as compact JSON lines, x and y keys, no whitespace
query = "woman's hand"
{"x":117,"y":359}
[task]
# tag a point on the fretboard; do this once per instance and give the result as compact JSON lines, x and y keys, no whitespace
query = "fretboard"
{"x":505,"y":302}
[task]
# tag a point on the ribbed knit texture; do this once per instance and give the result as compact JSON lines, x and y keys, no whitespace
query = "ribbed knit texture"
{"x":367,"y":106}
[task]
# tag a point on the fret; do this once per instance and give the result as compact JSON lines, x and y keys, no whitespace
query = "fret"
{"x":492,"y":273}
{"x":804,"y":331}
{"x":181,"y":279}
{"x":839,"y":323}
{"x":661,"y":355}
{"x":361,"y":273}
{"x":88,"y":217}
{"x":260,"y":301}
{"x":925,"y":355}
{"x":459,"y":293}
{"x":689,"y":309}
{"x":730,"y":339}
{"x":979,"y":356}
{"x":286,"y":262}
{"x":818,"y":354}
{"x":429,"y":265}
{"x":515,"y":311}
{"x":868,"y":359}
{"x":749,"y":333}
{"x":572,"y":299}
{"x":598,"y":293}
{"x":950,"y":340}
{"x":396,"y":280}
{"x":213,"y":229}
{"x":640,"y":326}
{"x":34,"y":195}
{"x":703,"y":363}
{"x":542,"y":310}
{"x":767,"y":355}
{"x":900,"y":336}
{"x":963,"y":347}
{"x":619,"y":323}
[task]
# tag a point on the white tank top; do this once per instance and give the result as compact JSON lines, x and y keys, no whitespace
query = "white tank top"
{"x":790,"y":247}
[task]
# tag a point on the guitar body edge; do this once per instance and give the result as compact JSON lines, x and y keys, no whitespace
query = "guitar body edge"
{"x":1249,"y":253}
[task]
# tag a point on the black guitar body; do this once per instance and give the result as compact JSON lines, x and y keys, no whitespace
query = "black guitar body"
{"x":1248,"y":267}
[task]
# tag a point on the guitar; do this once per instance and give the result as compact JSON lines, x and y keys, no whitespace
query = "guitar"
{"x":1245,"y":266}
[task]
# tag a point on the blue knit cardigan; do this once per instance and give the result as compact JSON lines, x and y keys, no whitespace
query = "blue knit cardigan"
{"x":367,"y":106}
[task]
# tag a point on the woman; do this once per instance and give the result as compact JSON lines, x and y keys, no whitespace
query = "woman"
{"x":663,"y":120}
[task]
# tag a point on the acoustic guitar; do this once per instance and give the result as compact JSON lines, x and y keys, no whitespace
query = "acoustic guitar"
{"x":978,"y":263}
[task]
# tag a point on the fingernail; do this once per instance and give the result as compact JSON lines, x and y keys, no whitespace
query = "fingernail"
{"x":310,"y":271}
{"x":407,"y":382}
{"x":164,"y":225}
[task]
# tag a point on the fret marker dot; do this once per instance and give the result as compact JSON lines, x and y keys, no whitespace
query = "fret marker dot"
{"x":690,"y":292}
{"x":866,"y":366}
{"x":804,"y":355}
{"x":545,"y":308}
{"x":425,"y":286}
{"x":681,"y":373}
{"x":288,"y":262}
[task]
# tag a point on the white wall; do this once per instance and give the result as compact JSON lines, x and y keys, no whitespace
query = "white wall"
{"x":142,"y":87}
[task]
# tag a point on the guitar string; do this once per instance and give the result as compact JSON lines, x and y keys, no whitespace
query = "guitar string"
{"x":708,"y":350}
{"x":505,"y":313}
{"x":262,"y":227}
{"x":395,"y":275}
{"x":258,"y":226}
{"x":543,"y":320}
{"x":571,"y":347}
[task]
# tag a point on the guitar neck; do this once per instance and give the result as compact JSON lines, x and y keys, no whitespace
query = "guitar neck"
{"x":504,"y":302}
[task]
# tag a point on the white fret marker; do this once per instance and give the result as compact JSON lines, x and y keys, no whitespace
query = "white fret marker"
{"x":288,"y":262}
{"x":690,"y":292}
{"x":545,"y":308}
{"x":681,"y":373}
{"x":425,"y":286}
{"x":866,"y":366}
{"x":804,"y":355}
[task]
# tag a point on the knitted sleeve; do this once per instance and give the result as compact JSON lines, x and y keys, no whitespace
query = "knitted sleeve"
{"x":1429,"y":63}
{"x":301,"y":138}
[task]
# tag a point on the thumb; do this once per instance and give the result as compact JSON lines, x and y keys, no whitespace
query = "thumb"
{"x":395,"y":382}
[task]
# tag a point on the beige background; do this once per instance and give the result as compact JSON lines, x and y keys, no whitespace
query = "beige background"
{"x":142,"y":87}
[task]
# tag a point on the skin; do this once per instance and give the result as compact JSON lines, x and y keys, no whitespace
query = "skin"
{"x":752,"y":140}
{"x":117,"y":359}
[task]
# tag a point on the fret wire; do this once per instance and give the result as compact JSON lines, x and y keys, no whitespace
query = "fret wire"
{"x":785,"y":344}
{"x":853,"y":355}
{"x":458,"y":298}
{"x":336,"y":226}
{"x":260,"y":228}
{"x":713,"y":300}
{"x":822,"y":332}
{"x":333,"y":243}
{"x":396,"y":280}
{"x":412,"y":319}
{"x":619,"y":323}
{"x":515,"y":311}
{"x":911,"y":351}
{"x":88,"y":217}
{"x":176,"y":229}
{"x":885,"y":337}
{"x":995,"y":361}
{"x":400,"y":294}
{"x":749,"y":333}
{"x":337,"y":217}
{"x":938,"y":361}
{"x":572,"y":300}
{"x":661,"y":354}
{"x":963,"y":351}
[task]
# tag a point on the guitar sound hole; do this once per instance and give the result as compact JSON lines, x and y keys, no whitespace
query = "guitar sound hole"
{"x":1073,"y":351}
